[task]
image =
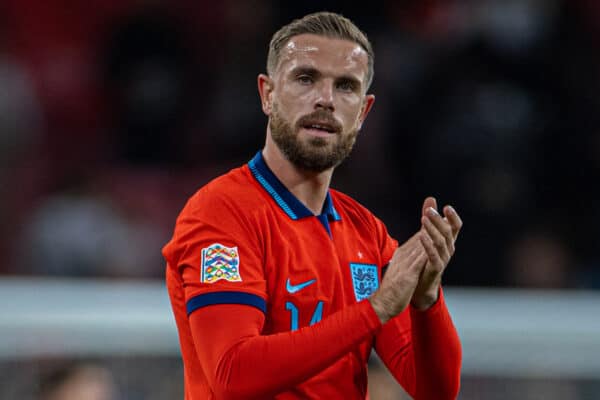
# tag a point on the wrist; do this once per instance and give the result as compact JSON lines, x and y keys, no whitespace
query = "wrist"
{"x":427,"y":299}
{"x":379,"y":309}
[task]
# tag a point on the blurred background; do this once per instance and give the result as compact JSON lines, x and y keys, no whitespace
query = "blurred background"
{"x":112,"y":113}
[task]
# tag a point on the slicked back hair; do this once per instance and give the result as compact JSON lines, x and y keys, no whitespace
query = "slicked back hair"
{"x":323,"y":23}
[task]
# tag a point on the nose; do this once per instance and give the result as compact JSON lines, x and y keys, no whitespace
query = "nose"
{"x":325,"y":96}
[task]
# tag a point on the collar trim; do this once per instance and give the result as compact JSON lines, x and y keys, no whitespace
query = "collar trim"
{"x":282,"y":196}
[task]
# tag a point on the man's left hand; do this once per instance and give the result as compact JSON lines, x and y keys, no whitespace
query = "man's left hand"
{"x":438,"y":238}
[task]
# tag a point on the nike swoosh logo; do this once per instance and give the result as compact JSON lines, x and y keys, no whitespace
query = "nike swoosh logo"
{"x":296,"y":288}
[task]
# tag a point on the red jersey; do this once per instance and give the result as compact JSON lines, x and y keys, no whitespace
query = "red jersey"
{"x":270,"y":299}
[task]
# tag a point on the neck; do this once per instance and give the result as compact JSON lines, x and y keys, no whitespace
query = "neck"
{"x":308,"y":187}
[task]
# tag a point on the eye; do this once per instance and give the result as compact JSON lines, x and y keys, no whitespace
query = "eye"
{"x":305,"y":79}
{"x":346,"y":86}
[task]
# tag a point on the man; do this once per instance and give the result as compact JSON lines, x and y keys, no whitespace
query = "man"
{"x":276,"y":281}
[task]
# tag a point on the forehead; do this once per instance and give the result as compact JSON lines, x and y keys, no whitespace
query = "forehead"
{"x":325,"y":54}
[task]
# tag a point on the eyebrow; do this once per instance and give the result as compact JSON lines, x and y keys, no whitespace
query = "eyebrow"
{"x":303,"y":70}
{"x":350,"y":79}
{"x":310,"y":71}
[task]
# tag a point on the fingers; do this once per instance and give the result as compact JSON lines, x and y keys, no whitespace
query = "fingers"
{"x":398,"y":286}
{"x":431,"y":251}
{"x":405,"y":248}
{"x":440,"y":232}
{"x":429,"y":202}
{"x":450,"y":215}
{"x":420,"y":259}
{"x":408,"y":251}
{"x":454,"y":220}
{"x":437,"y":237}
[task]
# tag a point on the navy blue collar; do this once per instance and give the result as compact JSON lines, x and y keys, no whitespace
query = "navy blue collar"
{"x":282,"y":196}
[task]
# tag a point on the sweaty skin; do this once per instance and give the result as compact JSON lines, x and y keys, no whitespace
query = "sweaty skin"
{"x":335,"y":58}
{"x":315,"y":73}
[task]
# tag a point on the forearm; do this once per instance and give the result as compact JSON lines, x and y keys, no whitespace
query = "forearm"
{"x":422,"y":351}
{"x":437,"y":352}
{"x":251,"y":365}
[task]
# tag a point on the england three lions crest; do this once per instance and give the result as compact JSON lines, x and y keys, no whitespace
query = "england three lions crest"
{"x":365,"y":280}
{"x":220,"y":262}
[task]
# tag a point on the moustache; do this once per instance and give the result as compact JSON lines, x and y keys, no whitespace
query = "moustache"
{"x":322,"y":118}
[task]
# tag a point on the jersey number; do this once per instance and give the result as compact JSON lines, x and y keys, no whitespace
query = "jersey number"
{"x":316,"y":317}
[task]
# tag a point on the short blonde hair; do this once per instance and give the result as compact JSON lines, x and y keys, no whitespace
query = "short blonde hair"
{"x":323,"y":23}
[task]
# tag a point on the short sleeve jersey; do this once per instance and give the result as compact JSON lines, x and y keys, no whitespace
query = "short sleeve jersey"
{"x":245,"y":239}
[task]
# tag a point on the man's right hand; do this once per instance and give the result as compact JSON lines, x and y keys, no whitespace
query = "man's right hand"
{"x":400,"y":280}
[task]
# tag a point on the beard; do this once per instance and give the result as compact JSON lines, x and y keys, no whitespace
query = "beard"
{"x":315,"y":154}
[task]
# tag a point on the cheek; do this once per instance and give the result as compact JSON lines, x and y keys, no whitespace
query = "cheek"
{"x":292,"y":107}
{"x":282,"y":106}
{"x":298,"y":97}
{"x":351,"y":105}
{"x":352,"y":111}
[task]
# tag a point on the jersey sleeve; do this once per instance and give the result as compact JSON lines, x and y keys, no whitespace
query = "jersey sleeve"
{"x":241,"y":363}
{"x":218,"y":256}
{"x":422,"y":351}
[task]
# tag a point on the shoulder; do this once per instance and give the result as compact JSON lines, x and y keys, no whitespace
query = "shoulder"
{"x":357,"y":214}
{"x":348,"y":207}
{"x":233,"y":194}
{"x":221,"y":213}
{"x":365,"y":223}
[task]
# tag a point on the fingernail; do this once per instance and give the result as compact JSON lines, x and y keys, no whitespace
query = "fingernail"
{"x":432,"y":211}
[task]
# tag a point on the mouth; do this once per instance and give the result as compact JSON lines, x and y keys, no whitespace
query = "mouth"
{"x":320,"y":128}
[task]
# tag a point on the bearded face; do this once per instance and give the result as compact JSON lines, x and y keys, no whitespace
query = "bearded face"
{"x":308,"y":152}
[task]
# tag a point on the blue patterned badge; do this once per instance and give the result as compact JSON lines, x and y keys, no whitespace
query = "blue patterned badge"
{"x":364,"y":280}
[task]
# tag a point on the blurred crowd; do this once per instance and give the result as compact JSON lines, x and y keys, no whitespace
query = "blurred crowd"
{"x":121,"y":378}
{"x":112,"y":113}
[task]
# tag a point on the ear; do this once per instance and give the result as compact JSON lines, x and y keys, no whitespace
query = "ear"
{"x":265,"y":90}
{"x":367,"y":105}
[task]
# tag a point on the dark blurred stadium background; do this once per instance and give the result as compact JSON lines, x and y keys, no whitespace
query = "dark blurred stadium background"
{"x":113,"y":112}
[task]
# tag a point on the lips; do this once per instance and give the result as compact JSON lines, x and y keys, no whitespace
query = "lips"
{"x":321,"y":126}
{"x":321,"y":122}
